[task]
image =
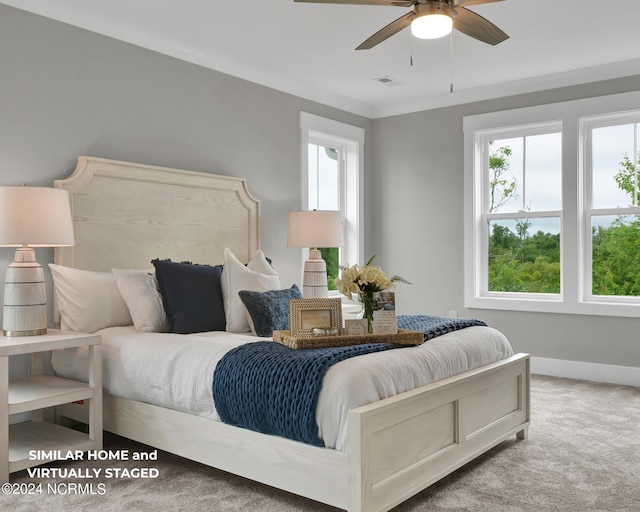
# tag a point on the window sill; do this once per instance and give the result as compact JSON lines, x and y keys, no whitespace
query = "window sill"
{"x":546,"y":305}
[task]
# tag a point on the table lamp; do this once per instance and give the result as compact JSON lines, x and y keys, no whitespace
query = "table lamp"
{"x":30,"y":217}
{"x":313,"y":229}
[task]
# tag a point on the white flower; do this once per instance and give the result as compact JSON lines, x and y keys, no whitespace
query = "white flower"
{"x":368,"y":278}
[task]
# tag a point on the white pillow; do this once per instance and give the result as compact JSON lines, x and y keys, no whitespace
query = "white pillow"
{"x":257,"y":276}
{"x":139,"y":289}
{"x":88,"y":301}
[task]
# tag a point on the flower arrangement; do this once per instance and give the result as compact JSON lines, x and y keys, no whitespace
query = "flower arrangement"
{"x":365,"y":281}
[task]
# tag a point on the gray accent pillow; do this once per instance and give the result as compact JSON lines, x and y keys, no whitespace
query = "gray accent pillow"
{"x":268,"y":311}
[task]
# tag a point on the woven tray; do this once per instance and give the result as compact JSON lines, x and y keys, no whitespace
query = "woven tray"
{"x":404,"y":337}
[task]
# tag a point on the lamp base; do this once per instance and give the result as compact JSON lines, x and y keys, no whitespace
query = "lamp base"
{"x":314,"y":280}
{"x":25,"y":296}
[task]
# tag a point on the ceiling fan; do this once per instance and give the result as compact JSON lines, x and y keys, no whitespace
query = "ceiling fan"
{"x":430,"y":19}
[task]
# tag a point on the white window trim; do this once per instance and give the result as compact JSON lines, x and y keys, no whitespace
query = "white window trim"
{"x":351,"y":140}
{"x":586,"y":124}
{"x":575,"y":242}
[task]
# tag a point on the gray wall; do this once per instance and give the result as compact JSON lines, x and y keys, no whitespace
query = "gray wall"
{"x":418,"y":220}
{"x":66,"y":92}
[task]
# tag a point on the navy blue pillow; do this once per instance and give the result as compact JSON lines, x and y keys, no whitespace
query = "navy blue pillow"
{"x":269,"y":311}
{"x":192,"y":296}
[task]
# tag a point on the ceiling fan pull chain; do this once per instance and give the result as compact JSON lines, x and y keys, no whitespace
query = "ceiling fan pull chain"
{"x":451,"y":61}
{"x":411,"y":48}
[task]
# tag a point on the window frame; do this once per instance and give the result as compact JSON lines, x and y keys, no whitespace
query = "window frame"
{"x":350,"y":139}
{"x":484,"y":137}
{"x":586,"y":126}
{"x":575,"y":246}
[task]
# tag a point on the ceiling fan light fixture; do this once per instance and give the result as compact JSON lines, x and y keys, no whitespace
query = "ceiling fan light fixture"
{"x":432,"y":21}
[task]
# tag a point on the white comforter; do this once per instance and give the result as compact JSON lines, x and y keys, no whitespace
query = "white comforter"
{"x":176,"y":371}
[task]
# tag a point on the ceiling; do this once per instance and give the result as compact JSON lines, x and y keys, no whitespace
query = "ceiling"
{"x":308,"y":49}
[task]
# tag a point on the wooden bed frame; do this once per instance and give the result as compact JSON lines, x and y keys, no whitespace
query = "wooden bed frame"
{"x":127,"y":214}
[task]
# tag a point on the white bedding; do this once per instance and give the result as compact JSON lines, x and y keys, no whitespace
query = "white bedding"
{"x":176,"y":370}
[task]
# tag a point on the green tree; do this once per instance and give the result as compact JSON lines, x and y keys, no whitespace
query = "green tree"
{"x":524,"y":262}
{"x":502,"y":184}
{"x":519,"y":262}
{"x":627,"y":178}
{"x":331,"y":255}
{"x":616,"y":258}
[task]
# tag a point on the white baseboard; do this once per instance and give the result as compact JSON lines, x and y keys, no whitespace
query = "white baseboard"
{"x":612,"y":374}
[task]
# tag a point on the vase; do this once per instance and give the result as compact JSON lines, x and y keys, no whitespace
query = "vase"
{"x":366,"y":299}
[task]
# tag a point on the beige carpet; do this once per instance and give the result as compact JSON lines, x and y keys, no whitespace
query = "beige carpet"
{"x":582,"y":455}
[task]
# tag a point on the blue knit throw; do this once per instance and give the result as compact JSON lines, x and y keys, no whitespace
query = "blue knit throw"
{"x":433,"y":326}
{"x":270,"y":388}
{"x":267,"y":387}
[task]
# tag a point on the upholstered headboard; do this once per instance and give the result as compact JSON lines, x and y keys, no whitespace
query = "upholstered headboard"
{"x":127,"y":214}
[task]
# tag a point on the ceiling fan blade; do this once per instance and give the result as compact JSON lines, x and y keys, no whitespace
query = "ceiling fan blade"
{"x":474,"y":25}
{"x":384,"y":33}
{"x":359,"y":2}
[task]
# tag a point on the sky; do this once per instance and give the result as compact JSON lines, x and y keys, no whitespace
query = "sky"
{"x":536,"y":167}
{"x":324,"y":190}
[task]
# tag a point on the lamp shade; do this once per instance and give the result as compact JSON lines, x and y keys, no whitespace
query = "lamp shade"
{"x":315,"y":228}
{"x":35,"y":216}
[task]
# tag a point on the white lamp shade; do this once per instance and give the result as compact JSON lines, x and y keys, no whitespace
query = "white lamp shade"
{"x":315,"y":228}
{"x":35,"y":216}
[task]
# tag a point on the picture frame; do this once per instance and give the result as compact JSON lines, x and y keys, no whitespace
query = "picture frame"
{"x":308,"y":314}
{"x":384,"y":312}
{"x":356,"y":326}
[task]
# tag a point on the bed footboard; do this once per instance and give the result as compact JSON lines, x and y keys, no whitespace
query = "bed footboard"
{"x":401,"y":445}
{"x":396,"y":447}
{"x":316,"y":473}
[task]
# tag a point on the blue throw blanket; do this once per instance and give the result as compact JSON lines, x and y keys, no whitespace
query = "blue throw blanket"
{"x":267,"y":387}
{"x":270,"y":388}
{"x":433,"y":326}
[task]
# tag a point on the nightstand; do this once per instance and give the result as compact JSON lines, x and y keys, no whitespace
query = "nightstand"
{"x":36,"y":391}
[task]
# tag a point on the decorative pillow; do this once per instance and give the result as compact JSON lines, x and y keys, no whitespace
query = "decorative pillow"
{"x":139,"y":289}
{"x":88,"y":301}
{"x":257,"y":276}
{"x":192,"y":296}
{"x":269,"y":311}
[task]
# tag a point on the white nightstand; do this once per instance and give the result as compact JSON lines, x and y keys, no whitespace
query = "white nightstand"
{"x":36,"y":391}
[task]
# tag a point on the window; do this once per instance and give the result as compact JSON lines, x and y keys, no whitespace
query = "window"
{"x":522,"y":175}
{"x":332,"y":180}
{"x":326,"y":167}
{"x":612,"y":209}
{"x":553,"y":208}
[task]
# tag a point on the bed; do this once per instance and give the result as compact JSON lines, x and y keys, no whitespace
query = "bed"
{"x":126,"y":215}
